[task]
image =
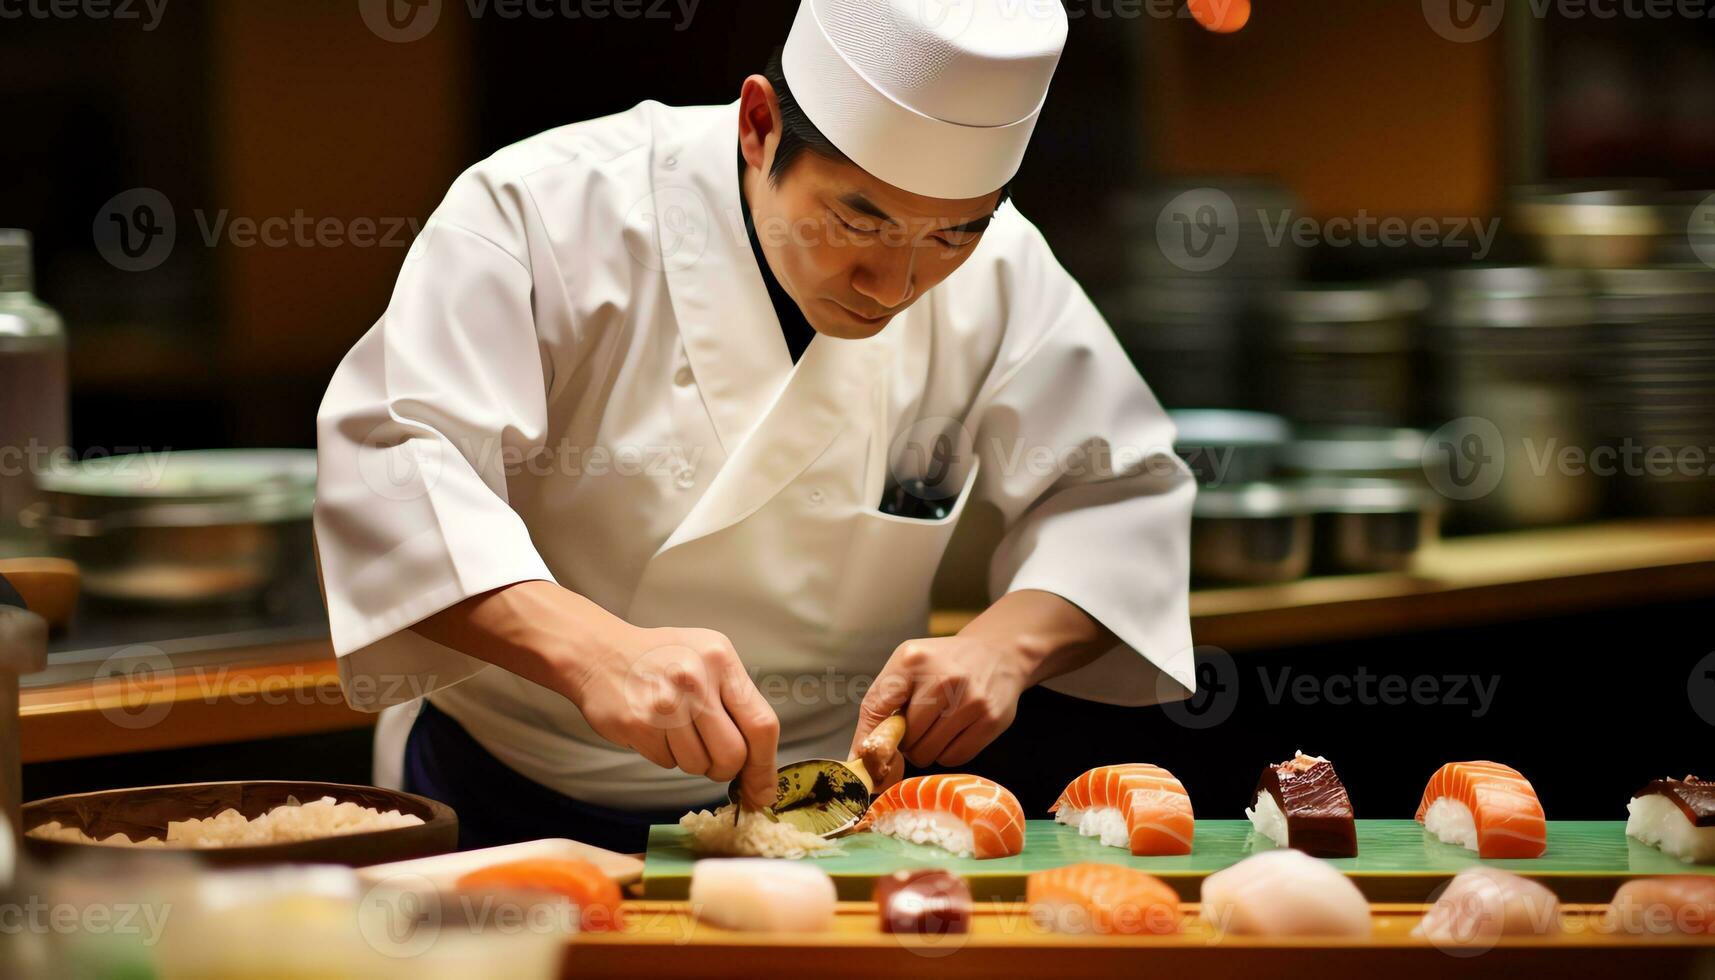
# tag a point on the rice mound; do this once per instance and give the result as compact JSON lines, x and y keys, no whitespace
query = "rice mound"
{"x":754,"y":835}
{"x":1106,"y":822}
{"x":934,"y":827}
{"x":1451,"y":821}
{"x":286,"y":823}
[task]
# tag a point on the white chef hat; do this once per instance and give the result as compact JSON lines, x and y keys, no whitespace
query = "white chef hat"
{"x":938,"y":97}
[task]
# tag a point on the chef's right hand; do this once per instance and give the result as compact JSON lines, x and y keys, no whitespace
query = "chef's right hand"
{"x":682,"y":699}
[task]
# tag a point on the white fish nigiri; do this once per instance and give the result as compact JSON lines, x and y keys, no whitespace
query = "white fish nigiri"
{"x":1284,"y":893}
{"x":762,"y":895}
{"x":1481,"y":905}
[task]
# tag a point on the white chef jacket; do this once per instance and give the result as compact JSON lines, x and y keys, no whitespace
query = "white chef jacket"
{"x":580,"y":379}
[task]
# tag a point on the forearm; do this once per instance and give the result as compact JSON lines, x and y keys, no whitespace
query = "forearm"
{"x":538,"y":630}
{"x":1051,"y":635}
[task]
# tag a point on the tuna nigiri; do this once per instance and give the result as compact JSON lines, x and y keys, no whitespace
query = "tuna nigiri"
{"x":1485,"y":807}
{"x":1664,"y":905}
{"x":594,"y":893}
{"x":1101,"y":898}
{"x":1136,"y":805}
{"x":1676,"y":815}
{"x":1284,"y":893}
{"x":968,"y":815}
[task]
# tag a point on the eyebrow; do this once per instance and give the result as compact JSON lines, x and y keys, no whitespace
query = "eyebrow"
{"x":863,"y":205}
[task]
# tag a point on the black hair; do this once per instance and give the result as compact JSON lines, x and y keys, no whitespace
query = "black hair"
{"x":798,"y":135}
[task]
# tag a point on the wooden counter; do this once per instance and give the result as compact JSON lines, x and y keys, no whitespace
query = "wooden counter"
{"x":293,"y":688}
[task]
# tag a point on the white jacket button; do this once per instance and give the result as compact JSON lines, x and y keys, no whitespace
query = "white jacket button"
{"x":684,"y":377}
{"x":817,"y":496}
{"x":686,"y":479}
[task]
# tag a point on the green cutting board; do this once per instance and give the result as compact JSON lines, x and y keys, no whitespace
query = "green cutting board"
{"x":1396,"y":862}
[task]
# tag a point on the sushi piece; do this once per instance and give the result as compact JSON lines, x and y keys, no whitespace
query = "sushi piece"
{"x":594,"y":893}
{"x":1676,"y":815}
{"x":1137,"y":806}
{"x":967,"y":815}
{"x":923,"y":901}
{"x":1284,"y":893}
{"x":1481,"y":905}
{"x":762,"y":895}
{"x":1484,"y":807}
{"x":1664,"y":905}
{"x":1301,"y":803}
{"x":1107,"y":899}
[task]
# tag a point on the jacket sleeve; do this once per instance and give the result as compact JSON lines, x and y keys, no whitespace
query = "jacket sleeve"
{"x":413,"y":440}
{"x":1078,"y":456}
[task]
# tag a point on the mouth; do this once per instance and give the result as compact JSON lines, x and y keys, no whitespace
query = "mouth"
{"x":855,"y":315}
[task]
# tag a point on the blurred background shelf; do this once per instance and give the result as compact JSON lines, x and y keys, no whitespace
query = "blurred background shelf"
{"x":238,"y":686}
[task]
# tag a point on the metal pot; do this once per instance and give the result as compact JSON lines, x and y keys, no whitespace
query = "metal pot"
{"x":179,"y":527}
{"x":1345,"y":354}
{"x":1252,"y":534}
{"x":1355,"y":451}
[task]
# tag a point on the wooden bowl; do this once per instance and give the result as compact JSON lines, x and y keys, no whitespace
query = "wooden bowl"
{"x":144,"y":812}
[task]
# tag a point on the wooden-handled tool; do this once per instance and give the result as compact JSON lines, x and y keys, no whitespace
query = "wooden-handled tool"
{"x":828,"y":798}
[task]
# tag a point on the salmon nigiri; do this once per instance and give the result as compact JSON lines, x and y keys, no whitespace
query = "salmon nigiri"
{"x":592,"y":891}
{"x":1664,"y":904}
{"x":1102,"y":898}
{"x":1135,"y":805}
{"x":968,"y":815}
{"x":1485,"y":807}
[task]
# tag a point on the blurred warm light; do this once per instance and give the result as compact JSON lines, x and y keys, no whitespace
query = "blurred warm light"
{"x":1221,"y":16}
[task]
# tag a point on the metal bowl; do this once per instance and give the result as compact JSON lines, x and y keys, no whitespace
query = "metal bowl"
{"x":178,"y":527}
{"x":1227,"y":448}
{"x":1252,"y":534}
{"x":1370,"y":525}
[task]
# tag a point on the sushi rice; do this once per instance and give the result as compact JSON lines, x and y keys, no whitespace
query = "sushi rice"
{"x":1451,"y":821}
{"x":936,"y":827}
{"x":1265,"y":815}
{"x":1105,"y":822}
{"x":1657,"y":821}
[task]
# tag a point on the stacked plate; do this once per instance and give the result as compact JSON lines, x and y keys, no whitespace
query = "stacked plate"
{"x":1656,"y":344}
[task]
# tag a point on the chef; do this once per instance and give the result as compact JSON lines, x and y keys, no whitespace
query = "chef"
{"x":640,"y":482}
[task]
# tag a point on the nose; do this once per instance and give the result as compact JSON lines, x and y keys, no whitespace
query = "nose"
{"x":888,"y":276}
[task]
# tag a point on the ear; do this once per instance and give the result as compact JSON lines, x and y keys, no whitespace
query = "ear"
{"x":758,"y":122}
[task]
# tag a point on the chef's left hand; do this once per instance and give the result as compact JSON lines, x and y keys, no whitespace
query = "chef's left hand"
{"x":957,"y":692}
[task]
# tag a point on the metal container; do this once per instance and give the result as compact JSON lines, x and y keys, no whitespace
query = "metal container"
{"x":1366,"y":525}
{"x":1228,"y":448}
{"x":1656,"y":387}
{"x":1345,"y":354}
{"x":180,"y":527}
{"x":1589,"y":229}
{"x":1186,"y":337}
{"x":1250,"y":535}
{"x":1513,"y":349}
{"x":1355,"y":451}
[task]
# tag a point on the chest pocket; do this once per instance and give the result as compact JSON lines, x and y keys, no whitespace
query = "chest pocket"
{"x":890,"y":566}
